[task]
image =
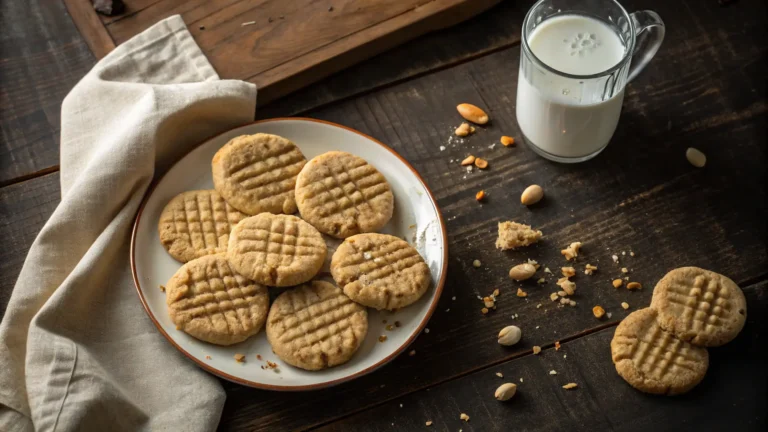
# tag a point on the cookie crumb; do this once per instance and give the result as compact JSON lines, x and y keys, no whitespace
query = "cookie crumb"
{"x":631,"y":254}
{"x":428,"y":423}
{"x":207,"y":357}
{"x":572,"y":251}
{"x":589,"y":269}
{"x":426,"y":330}
{"x":624,"y":270}
{"x":557,"y":345}
{"x":547,"y":270}
{"x":570,"y":386}
{"x":397,"y":324}
{"x":553,"y":372}
{"x":499,"y":374}
{"x":389,"y":327}
{"x":553,"y":296}
{"x":412,"y":353}
{"x":634,"y":285}
{"x":162,"y":288}
{"x":521,"y":293}
{"x":464,"y":417}
{"x":541,"y":281}
{"x":536,"y":349}
{"x":383,"y":338}
{"x":258,"y":356}
{"x":625,"y":305}
{"x":240,"y":358}
{"x":538,"y":306}
{"x":476,"y":263}
{"x":513,"y":235}
{"x":484,"y":311}
{"x":617,"y":283}
{"x":615,"y":259}
{"x":568,"y":271}
{"x":496,"y":293}
{"x":598,"y":311}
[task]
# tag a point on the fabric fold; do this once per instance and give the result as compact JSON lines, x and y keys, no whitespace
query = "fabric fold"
{"x":77,"y":350}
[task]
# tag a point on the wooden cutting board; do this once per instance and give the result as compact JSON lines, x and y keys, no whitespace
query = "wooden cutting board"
{"x":281,"y":45}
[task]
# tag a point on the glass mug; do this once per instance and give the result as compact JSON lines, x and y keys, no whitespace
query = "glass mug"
{"x":577,"y":57}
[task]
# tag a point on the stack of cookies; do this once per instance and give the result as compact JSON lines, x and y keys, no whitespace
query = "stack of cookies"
{"x":241,"y":241}
{"x":663,"y":349}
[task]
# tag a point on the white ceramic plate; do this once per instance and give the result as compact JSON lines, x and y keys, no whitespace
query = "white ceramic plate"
{"x":416,"y":218}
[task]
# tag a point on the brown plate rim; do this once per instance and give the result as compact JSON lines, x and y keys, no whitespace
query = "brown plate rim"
{"x":439,"y":286}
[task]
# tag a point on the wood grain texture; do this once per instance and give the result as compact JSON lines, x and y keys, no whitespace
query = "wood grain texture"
{"x":41,"y":57}
{"x":603,"y":401}
{"x":90,"y":27}
{"x":640,"y":195}
{"x":286,"y":45}
{"x":24,"y":209}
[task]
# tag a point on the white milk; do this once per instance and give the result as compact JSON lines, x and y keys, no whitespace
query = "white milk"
{"x":563,"y":116}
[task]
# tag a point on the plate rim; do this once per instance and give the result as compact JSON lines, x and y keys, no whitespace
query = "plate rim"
{"x":221,"y":374}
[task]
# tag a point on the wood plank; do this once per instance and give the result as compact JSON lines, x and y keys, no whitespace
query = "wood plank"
{"x":41,"y":57}
{"x":24,"y":209}
{"x":640,"y":195}
{"x":289,"y":44}
{"x":603,"y":401}
{"x":90,"y":27}
{"x":491,"y":31}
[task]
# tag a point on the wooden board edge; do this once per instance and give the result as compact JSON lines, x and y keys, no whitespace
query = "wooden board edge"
{"x":364,"y":44}
{"x":90,"y":27}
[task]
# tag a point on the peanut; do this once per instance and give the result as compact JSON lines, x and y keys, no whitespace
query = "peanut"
{"x":509,"y":335}
{"x":522,"y":272}
{"x":696,"y":157}
{"x":469,"y":160}
{"x":472,"y":113}
{"x":480,"y":195}
{"x":634,"y":285}
{"x":481,"y":163}
{"x":507,"y":141}
{"x":598,"y":311}
{"x":531,"y":195}
{"x":617,"y":283}
{"x":505,"y":391}
{"x":463,"y":130}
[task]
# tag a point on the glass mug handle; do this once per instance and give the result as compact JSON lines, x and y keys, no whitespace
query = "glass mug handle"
{"x":649,"y":33}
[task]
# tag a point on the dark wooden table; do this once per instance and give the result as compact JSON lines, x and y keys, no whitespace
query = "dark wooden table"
{"x":705,"y":88}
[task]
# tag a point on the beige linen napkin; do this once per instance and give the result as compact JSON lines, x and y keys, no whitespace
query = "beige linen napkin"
{"x":77,"y":351}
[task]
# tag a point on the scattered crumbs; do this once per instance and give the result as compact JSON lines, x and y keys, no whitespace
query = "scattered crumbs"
{"x":625,"y":305}
{"x":162,"y":288}
{"x":624,"y":270}
{"x":571,"y":302}
{"x":469,"y":169}
{"x":258,"y":356}
{"x":397,"y":324}
{"x":479,"y":298}
{"x":631,"y":253}
{"x":240,"y":358}
{"x":570,"y":386}
{"x":492,"y":146}
{"x":541,"y":281}
{"x":442,"y":148}
{"x":516,"y":315}
{"x":553,"y":372}
{"x":538,"y":306}
{"x":476,"y":263}
{"x":448,"y":310}
{"x":428,"y":423}
{"x":547,"y":270}
{"x":623,"y":253}
{"x":401,"y":405}
{"x":247,"y":23}
{"x":537,"y":326}
{"x":536,"y":348}
{"x":553,"y":296}
{"x":496,"y":293}
{"x":207,"y":357}
{"x":521,"y":380}
{"x":521,"y":293}
{"x":565,"y":355}
{"x":608,"y":314}
{"x":453,"y":298}
{"x":615,"y":258}
{"x":383,"y":338}
{"x":464,"y":417}
{"x":412,"y":353}
{"x":557,"y":345}
{"x":499,"y":374}
{"x":389,"y":327}
{"x":426,"y":330}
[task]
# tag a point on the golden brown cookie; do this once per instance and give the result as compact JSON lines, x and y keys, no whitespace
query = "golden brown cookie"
{"x":653,"y":360}
{"x":276,"y":250}
{"x":257,"y":173}
{"x":197,"y":223}
{"x":315,"y":326}
{"x":342,"y":195}
{"x":209,"y":301}
{"x":700,"y":306}
{"x":380,"y":271}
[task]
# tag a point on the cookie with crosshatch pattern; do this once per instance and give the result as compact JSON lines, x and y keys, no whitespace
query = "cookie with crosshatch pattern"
{"x":341,"y":195}
{"x":257,"y":173}
{"x":653,"y":360}
{"x":315,"y":326}
{"x":380,"y":271}
{"x":197,"y":223}
{"x":208,"y":300}
{"x":700,"y":306}
{"x":276,"y":250}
